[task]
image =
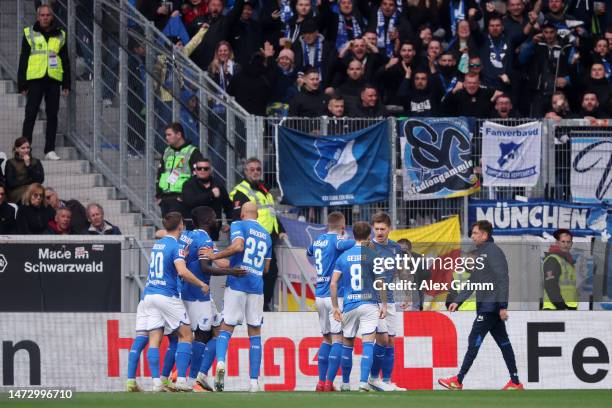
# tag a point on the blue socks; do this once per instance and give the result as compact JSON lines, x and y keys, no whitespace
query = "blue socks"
{"x":334,"y":361}
{"x":183,"y":356}
{"x":137,"y":346}
{"x":222,"y":343}
{"x":169,"y":357}
{"x":367,"y":358}
{"x":379,"y":355}
{"x":197,"y":349}
{"x":153,"y":358}
{"x":347,"y":363}
{"x":254,"y":357}
{"x":209,"y":355}
{"x":388,"y":361}
{"x":323,"y":361}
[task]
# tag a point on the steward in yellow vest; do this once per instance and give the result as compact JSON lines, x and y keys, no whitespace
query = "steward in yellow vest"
{"x":44,"y":68}
{"x":175,"y":169}
{"x":559,"y":274}
{"x":253,"y":189}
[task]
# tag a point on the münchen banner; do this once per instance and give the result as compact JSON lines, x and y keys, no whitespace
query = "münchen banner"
{"x":319,"y":171}
{"x":538,"y":216}
{"x":591,"y":171}
{"x":511,"y":155}
{"x":437,"y":158}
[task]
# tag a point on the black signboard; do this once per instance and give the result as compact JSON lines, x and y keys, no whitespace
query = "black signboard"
{"x":50,"y":277}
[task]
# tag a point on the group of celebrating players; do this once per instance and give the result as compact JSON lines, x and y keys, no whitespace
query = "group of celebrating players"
{"x":176,"y":302}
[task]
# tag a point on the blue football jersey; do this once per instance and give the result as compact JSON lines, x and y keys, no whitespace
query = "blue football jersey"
{"x":257,"y":248}
{"x":325,"y":251}
{"x":163,"y":278}
{"x":197,"y":239}
{"x":388,"y":250}
{"x":356,"y":267}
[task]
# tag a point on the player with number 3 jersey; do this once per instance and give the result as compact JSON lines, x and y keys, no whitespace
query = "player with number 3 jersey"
{"x":325,"y":250}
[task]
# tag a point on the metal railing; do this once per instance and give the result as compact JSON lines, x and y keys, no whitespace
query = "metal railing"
{"x":129,"y":82}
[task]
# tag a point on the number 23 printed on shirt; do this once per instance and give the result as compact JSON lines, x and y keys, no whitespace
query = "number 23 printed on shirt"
{"x":252,"y":258}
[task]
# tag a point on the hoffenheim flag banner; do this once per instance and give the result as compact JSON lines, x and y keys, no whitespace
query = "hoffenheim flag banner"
{"x":318,"y":171}
{"x":511,"y":154}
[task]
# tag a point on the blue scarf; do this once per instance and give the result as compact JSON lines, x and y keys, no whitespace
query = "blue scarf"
{"x":342,"y":36}
{"x":497,"y":53}
{"x":318,"y":55}
{"x":382,"y":37}
{"x":457,"y":13}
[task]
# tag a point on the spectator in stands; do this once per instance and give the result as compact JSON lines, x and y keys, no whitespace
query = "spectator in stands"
{"x":351,"y":87}
{"x":601,"y":54}
{"x":246,"y":35}
{"x":424,"y":36}
{"x":463,"y":44}
{"x":343,"y":25}
{"x":475,"y":65}
{"x":459,"y":10}
{"x":98,"y":225}
{"x":591,"y":12}
{"x":598,"y":83}
{"x":497,"y":56}
{"x":202,"y":189}
{"x":390,"y":26}
{"x":283,"y":20}
{"x":337,"y":123}
{"x":53,"y":199}
{"x":313,"y":50}
{"x":310,"y":101}
{"x":503,"y":108}
{"x":60,"y":224}
{"x":369,"y":105}
{"x":546,"y":62}
{"x":191,"y":11}
{"x":589,"y":107}
{"x":252,"y":86}
{"x":472,"y":100}
{"x":190,"y":116}
{"x":518,"y":24}
{"x":22,"y":170}
{"x":363,"y":51}
{"x":252,"y":188}
{"x":434,"y":50}
{"x":559,"y":107}
{"x":219,"y":28}
{"x":34,"y":214}
{"x":175,"y":169}
{"x":390,"y":76}
{"x":285,"y":84}
{"x":420,"y":99}
{"x":8,"y":213}
{"x":448,"y":79}
{"x":42,"y":74}
{"x":78,"y":218}
{"x":223,"y":66}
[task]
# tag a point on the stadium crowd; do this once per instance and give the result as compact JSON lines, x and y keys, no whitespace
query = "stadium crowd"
{"x":414,"y":57}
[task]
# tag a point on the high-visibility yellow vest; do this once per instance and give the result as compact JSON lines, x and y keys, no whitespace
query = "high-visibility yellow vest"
{"x":567,"y":283}
{"x":176,"y":162}
{"x":44,"y":55}
{"x":266,"y":215}
{"x":470,"y":303}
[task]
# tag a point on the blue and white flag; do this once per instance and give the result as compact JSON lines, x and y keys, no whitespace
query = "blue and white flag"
{"x":511,"y":155}
{"x":591,"y":171}
{"x":538,"y":216}
{"x":437,"y":158}
{"x":318,"y":171}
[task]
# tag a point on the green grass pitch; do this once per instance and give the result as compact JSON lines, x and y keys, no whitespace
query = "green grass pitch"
{"x":428,"y":399}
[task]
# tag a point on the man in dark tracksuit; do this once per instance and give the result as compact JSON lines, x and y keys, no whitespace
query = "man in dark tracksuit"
{"x":491,"y":307}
